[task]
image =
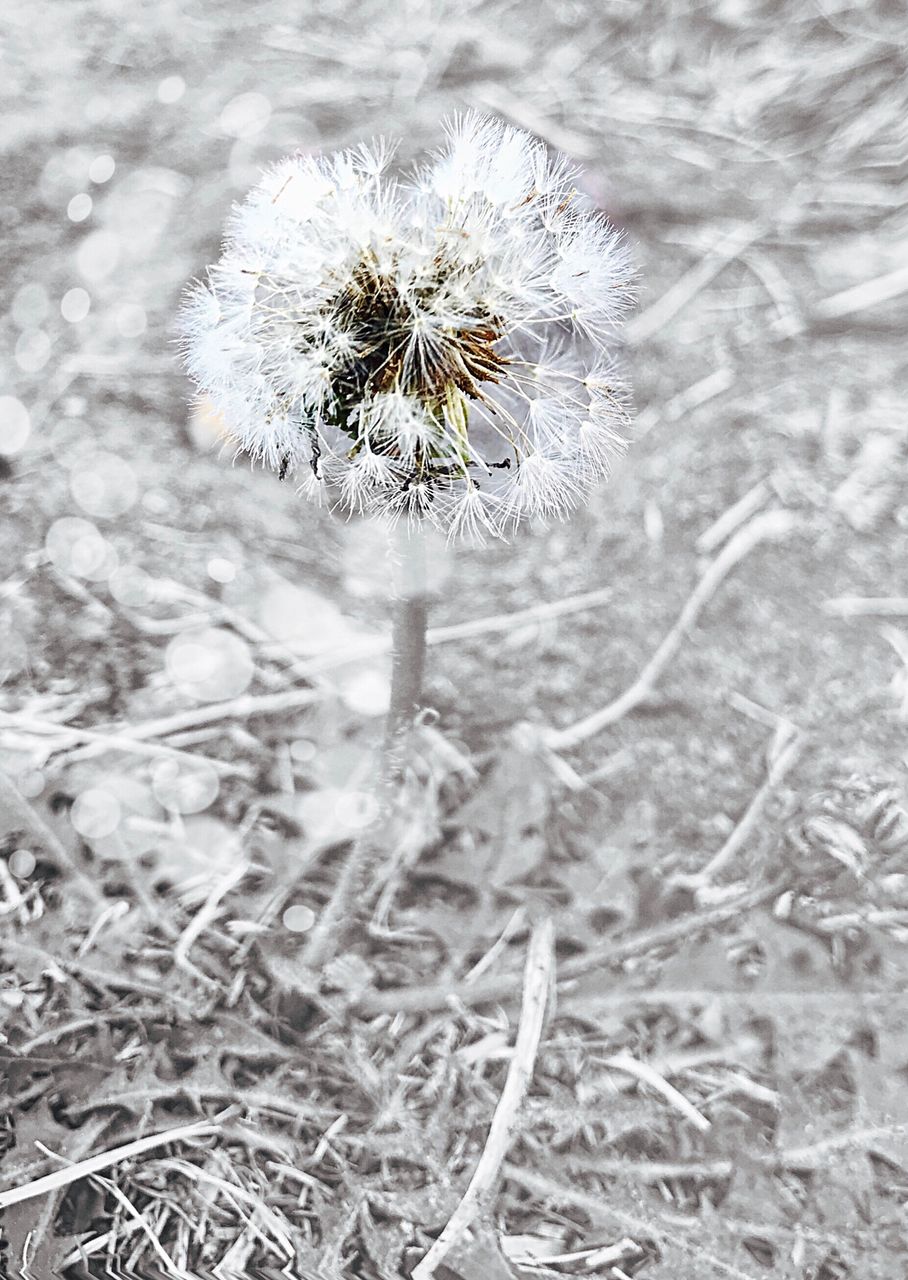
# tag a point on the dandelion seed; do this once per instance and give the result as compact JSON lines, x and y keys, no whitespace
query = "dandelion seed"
{"x":426,"y":348}
{"x":367,"y":475}
{"x":473,"y":517}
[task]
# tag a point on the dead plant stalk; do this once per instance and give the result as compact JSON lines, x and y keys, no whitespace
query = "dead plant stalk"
{"x":538,"y":981}
{"x":770,"y":524}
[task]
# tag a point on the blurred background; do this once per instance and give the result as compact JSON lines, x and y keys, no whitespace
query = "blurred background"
{"x":754,"y":151}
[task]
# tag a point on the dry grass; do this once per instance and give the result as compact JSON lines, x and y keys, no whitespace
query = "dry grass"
{"x":718,"y":1089}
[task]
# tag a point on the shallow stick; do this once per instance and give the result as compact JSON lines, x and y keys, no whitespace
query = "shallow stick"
{"x":812,"y":1156}
{"x":206,"y":914}
{"x":685,"y":401}
{"x":686,"y":288}
{"x":771,"y":524}
{"x":867,"y":607}
{"x":869,"y":293}
{"x":84,"y":1168}
{"x":815,"y":1154}
{"x":372,"y":646}
{"x":511,"y":621}
{"x":241,"y":708}
{"x":733,"y":518}
{"x":657,"y":1170}
{"x":100,"y":742}
{"x":537,"y":984}
{"x":646,"y":1073}
{"x":790,"y":748}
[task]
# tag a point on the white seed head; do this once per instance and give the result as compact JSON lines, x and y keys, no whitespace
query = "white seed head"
{"x":430,"y":347}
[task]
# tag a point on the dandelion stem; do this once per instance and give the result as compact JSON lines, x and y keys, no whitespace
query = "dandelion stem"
{"x":407,"y":670}
{"x":408,"y":662}
{"x":408,"y":654}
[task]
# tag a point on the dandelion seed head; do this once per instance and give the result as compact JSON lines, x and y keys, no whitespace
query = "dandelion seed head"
{"x":429,"y":347}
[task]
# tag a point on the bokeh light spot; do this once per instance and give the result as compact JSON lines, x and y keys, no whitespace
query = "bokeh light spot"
{"x":79,"y":208}
{"x":32,"y":351}
{"x":368,"y":693}
{"x":299,"y":918}
{"x":15,"y":425}
{"x":77,"y":547}
{"x":131,"y":320}
{"x":185,"y":786}
{"x":97,"y":108}
{"x":302,"y":750}
{"x":140,"y":825}
{"x":95,"y":813}
{"x":64,"y":171}
{"x":333,"y":813}
{"x":203,"y":850}
{"x":31,"y":783}
{"x":221,"y":570}
{"x":132,"y":586}
{"x":102,"y":169}
{"x":156,"y":502}
{"x":171,"y":89}
{"x":75,"y":305}
{"x":30,"y":306}
{"x":22,"y":863}
{"x":210,"y":664}
{"x":303,"y":619}
{"x":104,"y":485}
{"x":98,"y":254}
{"x":246,"y":115}
{"x":356,"y":809}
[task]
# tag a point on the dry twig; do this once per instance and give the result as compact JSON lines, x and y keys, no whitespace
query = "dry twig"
{"x":97,"y":743}
{"x":695,"y":279}
{"x":538,"y":979}
{"x":870,"y":293}
{"x":733,"y":518}
{"x":94,"y":1164}
{"x":867,"y":607}
{"x":771,"y":524}
{"x":646,"y":1073}
{"x":205,"y":915}
{"x":784,"y":753}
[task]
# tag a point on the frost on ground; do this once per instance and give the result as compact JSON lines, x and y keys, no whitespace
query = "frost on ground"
{"x":624,"y":994}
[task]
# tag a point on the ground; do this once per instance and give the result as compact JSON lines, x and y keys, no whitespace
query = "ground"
{"x":718,"y":1087}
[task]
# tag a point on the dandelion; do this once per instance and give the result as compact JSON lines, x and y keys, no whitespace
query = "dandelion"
{"x":430,"y":348}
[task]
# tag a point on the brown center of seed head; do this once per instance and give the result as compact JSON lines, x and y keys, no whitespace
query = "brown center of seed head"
{"x":392,"y":352}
